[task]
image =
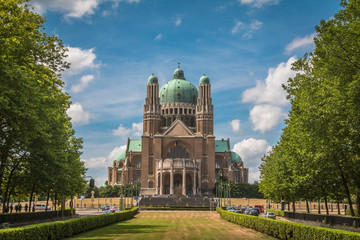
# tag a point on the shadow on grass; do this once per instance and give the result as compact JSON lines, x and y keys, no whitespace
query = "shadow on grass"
{"x":113,"y":231}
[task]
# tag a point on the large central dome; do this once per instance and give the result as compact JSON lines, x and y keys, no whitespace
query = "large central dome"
{"x":178,"y":90}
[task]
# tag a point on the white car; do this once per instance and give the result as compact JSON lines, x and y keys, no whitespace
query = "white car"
{"x":41,"y":206}
{"x":270,"y":215}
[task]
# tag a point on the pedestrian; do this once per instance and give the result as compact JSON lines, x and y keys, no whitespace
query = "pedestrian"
{"x":16,"y":208}
{"x":11,"y":208}
{"x":26,"y":207}
{"x":20,"y":207}
{"x":33,"y":208}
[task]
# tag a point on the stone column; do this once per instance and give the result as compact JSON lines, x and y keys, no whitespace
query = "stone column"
{"x":184,"y":179}
{"x":199,"y":178}
{"x":172,"y":177}
{"x":194,"y":182}
{"x":157,"y":177}
{"x":161,"y":178}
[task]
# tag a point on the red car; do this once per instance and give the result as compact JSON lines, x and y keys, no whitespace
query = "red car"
{"x":260,"y":207}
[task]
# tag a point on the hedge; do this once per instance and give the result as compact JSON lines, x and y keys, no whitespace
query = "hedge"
{"x":67,"y":228}
{"x":176,"y":208}
{"x":286,"y":230}
{"x":31,"y":216}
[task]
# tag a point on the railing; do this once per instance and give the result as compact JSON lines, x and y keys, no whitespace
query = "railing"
{"x":178,"y":163}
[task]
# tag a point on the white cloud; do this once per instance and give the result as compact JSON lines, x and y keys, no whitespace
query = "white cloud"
{"x":99,"y":162}
{"x":258,"y":3}
{"x":251,"y":151}
{"x":80,"y":60}
{"x":71,"y":8}
{"x":124,"y":132}
{"x":265,"y":117}
{"x":116,"y":2}
{"x":114,"y":152}
{"x":178,"y":21}
{"x":83,"y":83}
{"x":100,"y":181}
{"x":271,"y":90}
{"x":158,"y":37}
{"x":255,"y":25}
{"x":305,"y":42}
{"x":235,"y":125}
{"x":248,"y":28}
{"x":77,"y":114}
{"x":238,"y":26}
{"x":103,"y":162}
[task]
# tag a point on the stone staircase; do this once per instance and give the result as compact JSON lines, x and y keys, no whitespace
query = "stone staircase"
{"x":171,"y":201}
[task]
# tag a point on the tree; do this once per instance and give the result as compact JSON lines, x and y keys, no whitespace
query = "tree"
{"x":38,"y":150}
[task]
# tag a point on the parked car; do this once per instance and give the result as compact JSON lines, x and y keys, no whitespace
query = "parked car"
{"x":254,"y":212}
{"x":248,"y":210}
{"x":257,"y":209}
{"x":41,"y":206}
{"x":243,"y":209}
{"x":231,"y":209}
{"x":238,"y":211}
{"x":105,"y":207}
{"x":261,"y":207}
{"x":270,"y":215}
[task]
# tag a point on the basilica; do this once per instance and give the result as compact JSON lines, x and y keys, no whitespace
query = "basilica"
{"x":178,"y":151}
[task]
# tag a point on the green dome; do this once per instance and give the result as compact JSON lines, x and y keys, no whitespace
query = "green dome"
{"x":178,"y":90}
{"x":152,"y":79}
{"x":204,"y":80}
{"x":120,"y":156}
{"x":179,"y":74}
{"x":235,"y":157}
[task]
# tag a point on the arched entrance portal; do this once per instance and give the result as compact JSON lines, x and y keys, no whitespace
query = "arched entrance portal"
{"x":167,"y":184}
{"x":189,"y":184}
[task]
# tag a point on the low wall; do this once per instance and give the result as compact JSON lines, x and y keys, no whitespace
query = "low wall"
{"x":330,"y":219}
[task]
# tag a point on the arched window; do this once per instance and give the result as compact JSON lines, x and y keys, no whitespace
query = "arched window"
{"x":169,"y":121}
{"x":151,"y":184}
{"x":178,"y":152}
{"x":137,"y":164}
{"x":218,"y":164}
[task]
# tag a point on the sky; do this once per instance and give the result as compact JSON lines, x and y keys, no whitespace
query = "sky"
{"x":245,"y":47}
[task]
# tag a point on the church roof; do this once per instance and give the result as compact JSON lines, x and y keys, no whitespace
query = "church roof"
{"x":178,"y":90}
{"x":221,"y":146}
{"x":120,"y":156}
{"x":134,"y":145}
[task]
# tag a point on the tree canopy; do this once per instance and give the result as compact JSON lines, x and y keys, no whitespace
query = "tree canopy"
{"x":39,"y":152}
{"x":318,"y":154}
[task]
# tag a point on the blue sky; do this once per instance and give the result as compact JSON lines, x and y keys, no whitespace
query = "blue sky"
{"x":246,"y":47}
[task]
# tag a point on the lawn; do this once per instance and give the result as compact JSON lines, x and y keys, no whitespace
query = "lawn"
{"x":173,"y":225}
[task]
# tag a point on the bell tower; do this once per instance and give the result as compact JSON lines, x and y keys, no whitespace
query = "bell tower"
{"x":152,"y":107}
{"x":204,"y":108}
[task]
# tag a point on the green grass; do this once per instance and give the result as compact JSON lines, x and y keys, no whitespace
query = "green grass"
{"x":173,"y":225}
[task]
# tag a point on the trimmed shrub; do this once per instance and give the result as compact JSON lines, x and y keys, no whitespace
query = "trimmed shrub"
{"x":67,"y":228}
{"x":286,"y":230}
{"x":349,"y":213}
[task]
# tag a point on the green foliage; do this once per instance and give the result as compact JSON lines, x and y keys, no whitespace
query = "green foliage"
{"x":318,"y":155}
{"x":67,"y":228}
{"x":286,"y":230}
{"x":349,"y":213}
{"x":39,"y":151}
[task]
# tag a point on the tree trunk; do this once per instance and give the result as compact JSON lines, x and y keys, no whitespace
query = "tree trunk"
{"x":307,"y":206}
{"x":319,"y":207}
{"x":293,"y":205}
{"x":338,"y":207}
{"x":326,"y":206}
{"x":347,"y":191}
{"x":289,"y":206}
{"x":47,"y":201}
{"x":357,"y":201}
{"x":31,"y":196}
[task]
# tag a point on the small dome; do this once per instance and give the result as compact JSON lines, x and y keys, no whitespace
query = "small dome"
{"x":179,"y":74}
{"x":204,"y":80}
{"x":235,"y":157}
{"x":153,"y":79}
{"x":178,"y":90}
{"x":120,"y":156}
